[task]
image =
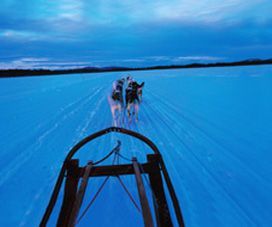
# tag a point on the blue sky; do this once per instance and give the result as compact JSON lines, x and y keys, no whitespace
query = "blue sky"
{"x":70,"y":33}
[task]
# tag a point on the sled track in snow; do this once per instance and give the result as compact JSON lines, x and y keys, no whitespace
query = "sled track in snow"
{"x":28,"y":148}
{"x":167,"y":123}
{"x":212,"y":164}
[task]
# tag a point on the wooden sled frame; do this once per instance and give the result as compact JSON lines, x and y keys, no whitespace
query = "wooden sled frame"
{"x":154,"y":168}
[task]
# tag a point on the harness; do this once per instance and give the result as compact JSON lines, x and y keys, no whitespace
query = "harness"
{"x":131,"y":92}
{"x":116,"y":96}
{"x":118,"y":91}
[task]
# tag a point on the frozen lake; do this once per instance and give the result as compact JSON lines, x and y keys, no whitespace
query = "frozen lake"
{"x":213,"y":127}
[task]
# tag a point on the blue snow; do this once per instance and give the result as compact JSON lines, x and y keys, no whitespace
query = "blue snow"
{"x":213,"y":127}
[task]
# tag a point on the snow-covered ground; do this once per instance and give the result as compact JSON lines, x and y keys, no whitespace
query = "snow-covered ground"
{"x":213,"y":127}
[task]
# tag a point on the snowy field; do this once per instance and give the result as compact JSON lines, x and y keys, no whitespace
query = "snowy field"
{"x":213,"y":127}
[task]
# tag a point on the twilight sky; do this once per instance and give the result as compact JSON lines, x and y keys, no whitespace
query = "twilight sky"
{"x":69,"y":33}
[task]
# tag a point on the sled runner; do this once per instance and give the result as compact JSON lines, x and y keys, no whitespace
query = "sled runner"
{"x":76,"y":180}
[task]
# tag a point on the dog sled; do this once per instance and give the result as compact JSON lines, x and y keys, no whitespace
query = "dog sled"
{"x":75,"y":179}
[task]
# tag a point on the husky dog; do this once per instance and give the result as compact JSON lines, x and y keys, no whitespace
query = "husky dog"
{"x":133,"y":97}
{"x":116,"y":101}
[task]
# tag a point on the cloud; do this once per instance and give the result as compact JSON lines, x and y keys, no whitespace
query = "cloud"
{"x":47,"y":63}
{"x":179,"y":11}
{"x":71,"y":15}
{"x":68,"y":16}
{"x":22,"y":35}
{"x":129,"y":29}
{"x":207,"y":11}
{"x":197,"y":58}
{"x":32,"y":36}
{"x":71,"y":10}
{"x":42,"y":63}
{"x":36,"y":60}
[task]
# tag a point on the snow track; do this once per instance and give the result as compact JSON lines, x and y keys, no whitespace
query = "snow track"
{"x":209,"y":128}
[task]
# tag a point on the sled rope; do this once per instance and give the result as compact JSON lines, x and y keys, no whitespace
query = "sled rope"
{"x":94,"y":198}
{"x":123,"y":157}
{"x":115,"y":150}
{"x":129,"y":194}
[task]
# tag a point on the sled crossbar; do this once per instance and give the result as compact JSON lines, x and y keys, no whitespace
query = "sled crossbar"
{"x":70,"y":204}
{"x":114,"y":170}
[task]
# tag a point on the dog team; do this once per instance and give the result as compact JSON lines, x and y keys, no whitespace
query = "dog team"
{"x":133,"y":98}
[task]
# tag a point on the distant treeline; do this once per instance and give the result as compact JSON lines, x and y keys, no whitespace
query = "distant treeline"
{"x":40,"y":72}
